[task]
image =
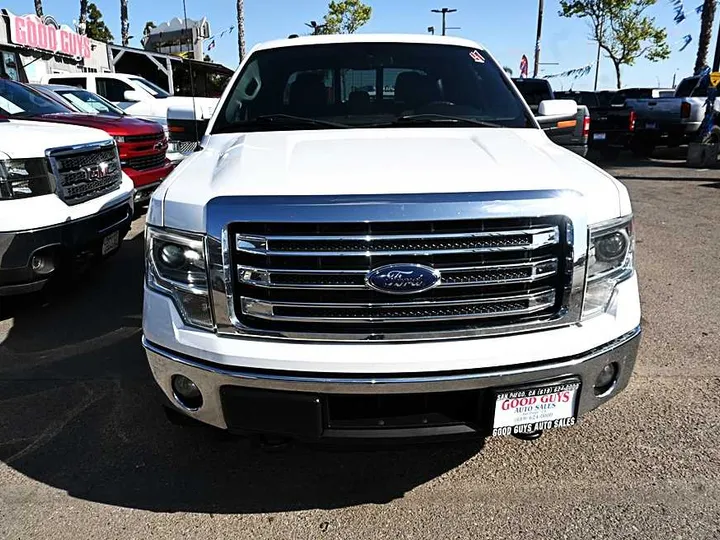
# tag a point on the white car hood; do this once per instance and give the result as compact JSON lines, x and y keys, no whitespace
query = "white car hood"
{"x":382,"y":161}
{"x":26,"y":139}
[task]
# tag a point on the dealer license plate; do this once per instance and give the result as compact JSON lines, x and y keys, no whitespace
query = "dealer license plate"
{"x":650,"y":125}
{"x":536,"y":408}
{"x":598,"y":136}
{"x":110,"y":242}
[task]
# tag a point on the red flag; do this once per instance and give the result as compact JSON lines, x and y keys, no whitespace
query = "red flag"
{"x":523,"y":67}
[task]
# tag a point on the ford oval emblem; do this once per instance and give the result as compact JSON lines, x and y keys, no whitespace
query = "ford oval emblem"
{"x":403,"y":278}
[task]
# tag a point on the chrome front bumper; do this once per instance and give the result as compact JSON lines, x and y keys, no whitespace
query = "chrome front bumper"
{"x":210,"y":379}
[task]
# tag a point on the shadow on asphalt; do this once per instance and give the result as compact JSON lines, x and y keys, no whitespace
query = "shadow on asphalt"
{"x":78,"y":412}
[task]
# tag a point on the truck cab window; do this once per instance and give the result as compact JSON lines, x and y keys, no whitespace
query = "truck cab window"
{"x":112,"y":89}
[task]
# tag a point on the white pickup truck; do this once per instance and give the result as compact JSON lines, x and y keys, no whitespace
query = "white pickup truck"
{"x":135,"y":95}
{"x":377,"y":240}
{"x":63,"y":196}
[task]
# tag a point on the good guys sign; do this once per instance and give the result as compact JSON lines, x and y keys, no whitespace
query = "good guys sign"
{"x":47,"y":35}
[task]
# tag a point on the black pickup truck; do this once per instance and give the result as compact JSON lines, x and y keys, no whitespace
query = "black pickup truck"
{"x":611,"y":126}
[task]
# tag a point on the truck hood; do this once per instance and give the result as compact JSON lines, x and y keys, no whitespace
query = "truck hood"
{"x":113,"y":125}
{"x":26,"y":139}
{"x":384,"y":161}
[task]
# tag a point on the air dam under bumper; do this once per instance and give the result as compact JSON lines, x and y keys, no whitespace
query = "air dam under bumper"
{"x":346,"y":406}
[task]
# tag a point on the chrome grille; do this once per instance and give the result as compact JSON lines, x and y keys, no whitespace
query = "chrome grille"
{"x":311,"y":278}
{"x":85,"y":172}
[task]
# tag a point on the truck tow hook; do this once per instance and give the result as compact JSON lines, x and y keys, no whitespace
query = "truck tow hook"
{"x":532,"y":436}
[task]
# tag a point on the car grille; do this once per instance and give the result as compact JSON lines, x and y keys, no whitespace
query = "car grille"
{"x":144,"y":138}
{"x":146,"y":162}
{"x":86,"y":172}
{"x":312,"y":278}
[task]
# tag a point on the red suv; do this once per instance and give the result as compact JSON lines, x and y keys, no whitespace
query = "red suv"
{"x":142,"y":144}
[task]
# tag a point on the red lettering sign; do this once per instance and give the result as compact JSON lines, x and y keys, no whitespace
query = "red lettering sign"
{"x":31,"y":31}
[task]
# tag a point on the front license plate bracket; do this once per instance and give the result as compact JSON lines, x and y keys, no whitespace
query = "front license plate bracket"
{"x":536,"y":407}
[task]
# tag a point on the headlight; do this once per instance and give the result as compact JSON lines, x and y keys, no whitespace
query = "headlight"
{"x":176,"y":267}
{"x":21,"y":178}
{"x":610,"y":261}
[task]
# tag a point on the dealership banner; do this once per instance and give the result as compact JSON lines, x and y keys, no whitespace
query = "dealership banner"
{"x":47,"y":35}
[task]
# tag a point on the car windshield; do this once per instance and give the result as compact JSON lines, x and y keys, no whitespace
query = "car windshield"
{"x":370,"y":85}
{"x":151,"y":88}
{"x":88,"y":102}
{"x":17,"y":100}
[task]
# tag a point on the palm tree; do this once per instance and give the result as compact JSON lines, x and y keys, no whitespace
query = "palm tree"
{"x":706,"y":23}
{"x":241,"y":29}
{"x":124,"y":23}
{"x":38,"y":8}
{"x":82,"y":20}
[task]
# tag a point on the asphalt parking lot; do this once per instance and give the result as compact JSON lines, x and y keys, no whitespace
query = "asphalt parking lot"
{"x":86,"y":453}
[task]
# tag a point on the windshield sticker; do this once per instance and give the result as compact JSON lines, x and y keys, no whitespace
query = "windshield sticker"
{"x":477,"y":57}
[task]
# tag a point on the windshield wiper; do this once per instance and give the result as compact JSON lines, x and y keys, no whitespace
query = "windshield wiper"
{"x":428,"y":118}
{"x":280,"y":120}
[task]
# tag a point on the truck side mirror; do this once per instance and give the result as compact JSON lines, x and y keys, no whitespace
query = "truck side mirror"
{"x":133,"y":96}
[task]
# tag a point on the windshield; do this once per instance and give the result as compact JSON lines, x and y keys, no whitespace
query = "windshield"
{"x":90,"y":103}
{"x":151,"y":88}
{"x":369,"y":85}
{"x":17,"y":100}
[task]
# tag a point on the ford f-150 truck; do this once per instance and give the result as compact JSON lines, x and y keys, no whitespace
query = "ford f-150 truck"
{"x":421,"y":262}
{"x":63,"y":197}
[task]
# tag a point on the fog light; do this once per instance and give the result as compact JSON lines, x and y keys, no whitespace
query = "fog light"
{"x":606,"y":379}
{"x":186,"y":392}
{"x":42,"y":264}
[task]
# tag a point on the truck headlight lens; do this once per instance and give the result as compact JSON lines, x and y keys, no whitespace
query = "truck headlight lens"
{"x":176,"y":266}
{"x":610,"y":261}
{"x":22,"y":178}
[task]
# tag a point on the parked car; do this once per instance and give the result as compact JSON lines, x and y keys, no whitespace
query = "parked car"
{"x":572,"y":131}
{"x":426,"y":263}
{"x":135,"y":95}
{"x":141,"y":143}
{"x":611,"y":128}
{"x":84,"y":101}
{"x":63,"y":198}
{"x":670,"y":121}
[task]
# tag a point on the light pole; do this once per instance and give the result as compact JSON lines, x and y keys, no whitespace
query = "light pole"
{"x":431,"y":29}
{"x":536,"y":68}
{"x":444,"y":11}
{"x":597,"y":59}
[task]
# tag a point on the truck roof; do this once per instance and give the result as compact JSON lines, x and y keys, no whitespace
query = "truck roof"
{"x":366,"y":38}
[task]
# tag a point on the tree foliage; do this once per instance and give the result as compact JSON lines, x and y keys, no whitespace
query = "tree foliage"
{"x":82,"y":19}
{"x":622,"y":29}
{"x":96,"y":27}
{"x":149,"y":25}
{"x":345,"y":17}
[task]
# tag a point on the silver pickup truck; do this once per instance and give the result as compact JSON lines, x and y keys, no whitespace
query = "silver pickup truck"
{"x":669,"y":121}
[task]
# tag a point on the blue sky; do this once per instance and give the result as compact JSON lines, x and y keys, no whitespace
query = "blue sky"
{"x":506,"y":28}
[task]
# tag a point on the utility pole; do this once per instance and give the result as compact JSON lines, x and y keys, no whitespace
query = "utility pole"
{"x":444,"y":12}
{"x":597,"y":59}
{"x":536,"y":69}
